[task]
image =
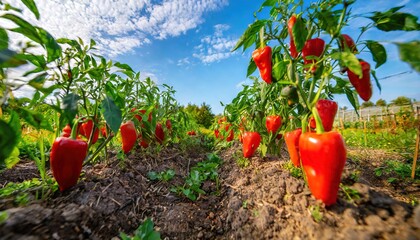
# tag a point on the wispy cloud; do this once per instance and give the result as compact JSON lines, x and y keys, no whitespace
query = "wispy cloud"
{"x":216,"y":47}
{"x":119,"y":26}
{"x":184,"y":62}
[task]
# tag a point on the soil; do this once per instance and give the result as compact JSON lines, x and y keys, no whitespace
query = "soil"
{"x":260,"y":201}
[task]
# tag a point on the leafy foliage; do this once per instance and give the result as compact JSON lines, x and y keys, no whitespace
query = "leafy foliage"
{"x":144,"y":232}
{"x":161,"y":176}
{"x":205,"y":170}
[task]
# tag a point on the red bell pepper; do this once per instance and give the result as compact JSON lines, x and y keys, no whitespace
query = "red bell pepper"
{"x":142,"y":111}
{"x":346,"y":42}
{"x":262,"y":58}
{"x":159,"y":134}
{"x":103,"y":132}
{"x":231,"y":134}
{"x":323,"y":158}
{"x":216,"y":133}
{"x":128,"y":136}
{"x":168,"y":124}
{"x":66,"y":159}
{"x":191,"y":133}
{"x":312,"y":48}
{"x":86,"y":130}
{"x":327,"y":110}
{"x":273,"y":123}
{"x":292,"y":142}
{"x":362,"y":85}
{"x":143,"y":143}
{"x":290,"y":24}
{"x":251,"y":141}
{"x":66,"y":132}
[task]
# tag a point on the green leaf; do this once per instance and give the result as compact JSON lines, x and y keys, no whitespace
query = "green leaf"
{"x":410,"y":53}
{"x":123,"y":66}
{"x":253,"y":29}
{"x":4,"y":39}
{"x":13,"y":158}
{"x":392,"y":20}
{"x":328,"y":20}
{"x":279,"y":69}
{"x":3,"y":217}
{"x":24,"y":28}
{"x":10,"y":59}
{"x":37,"y":60}
{"x":152,"y":175}
{"x":352,"y":98}
{"x":269,"y":3}
{"x":378,"y":52}
{"x":69,"y":107}
{"x":38,"y":81}
{"x":35,"y":119}
{"x":251,"y":68}
{"x":348,"y":59}
{"x":300,"y":33}
{"x":376,"y":80}
{"x":112,"y":114}
{"x":8,"y":141}
{"x":32,"y":6}
{"x":50,"y":44}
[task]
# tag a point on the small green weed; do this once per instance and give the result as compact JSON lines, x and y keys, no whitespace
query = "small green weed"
{"x":294,"y":171}
{"x":245,"y":204}
{"x":164,"y":176}
{"x":243,"y":162}
{"x":3,"y":217}
{"x":316,"y":213}
{"x":351,"y":193}
{"x":144,"y":232}
{"x":206,"y":170}
{"x":20,"y":190}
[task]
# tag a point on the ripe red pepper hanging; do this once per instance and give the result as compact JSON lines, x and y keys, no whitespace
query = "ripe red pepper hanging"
{"x":292,"y":142}
{"x":66,"y":158}
{"x":86,"y":130}
{"x":290,"y":24}
{"x":323,"y":155}
{"x":273,"y":123}
{"x":262,"y":58}
{"x":346,"y":42}
{"x":362,"y":85}
{"x":159,"y":134}
{"x":250,"y":143}
{"x":128,"y":136}
{"x":327,"y":110}
{"x":312,"y":48}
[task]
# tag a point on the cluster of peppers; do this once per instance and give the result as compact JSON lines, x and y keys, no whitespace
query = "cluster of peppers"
{"x":319,"y":151}
{"x":69,"y":151}
{"x":311,"y":51}
{"x":223,"y":128}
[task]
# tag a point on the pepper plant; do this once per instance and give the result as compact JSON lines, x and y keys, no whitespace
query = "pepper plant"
{"x":312,"y":59}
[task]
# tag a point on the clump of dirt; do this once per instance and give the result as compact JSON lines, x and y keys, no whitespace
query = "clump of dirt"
{"x":261,"y":201}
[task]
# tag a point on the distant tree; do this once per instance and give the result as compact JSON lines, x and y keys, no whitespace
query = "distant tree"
{"x":202,"y":115}
{"x":344,"y":108}
{"x":367,"y":104}
{"x":401,"y":100}
{"x":381,"y":103}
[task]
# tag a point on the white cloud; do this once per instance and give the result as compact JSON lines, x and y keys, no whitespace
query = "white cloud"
{"x":215,"y":47}
{"x":119,"y":26}
{"x":184,"y":62}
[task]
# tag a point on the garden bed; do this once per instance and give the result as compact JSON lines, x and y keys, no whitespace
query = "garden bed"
{"x":260,"y":201}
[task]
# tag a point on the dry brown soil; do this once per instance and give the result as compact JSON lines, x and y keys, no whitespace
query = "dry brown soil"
{"x":261,"y":201}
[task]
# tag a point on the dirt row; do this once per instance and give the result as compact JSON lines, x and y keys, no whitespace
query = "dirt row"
{"x":261,"y":201}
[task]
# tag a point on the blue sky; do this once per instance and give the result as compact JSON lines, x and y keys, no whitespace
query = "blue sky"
{"x":186,"y":43}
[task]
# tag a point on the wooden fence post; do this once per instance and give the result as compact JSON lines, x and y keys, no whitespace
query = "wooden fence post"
{"x":416,"y":153}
